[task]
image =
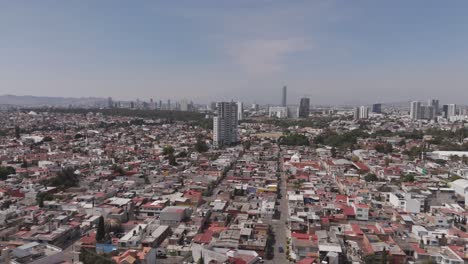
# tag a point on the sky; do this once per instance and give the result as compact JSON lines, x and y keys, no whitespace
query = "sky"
{"x":331,"y":51}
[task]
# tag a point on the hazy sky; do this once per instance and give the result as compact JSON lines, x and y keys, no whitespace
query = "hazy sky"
{"x":332,"y":51}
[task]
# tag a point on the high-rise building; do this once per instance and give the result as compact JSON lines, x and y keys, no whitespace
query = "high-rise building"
{"x":361,"y":112}
{"x":444,"y":111}
{"x":110,"y":103}
{"x":415,"y":110}
{"x":304,"y":107}
{"x":284,"y":98}
{"x":356,"y":113}
{"x":225,"y":124}
{"x":278,"y":111}
{"x":240,"y":110}
{"x":184,"y":105}
{"x":293,"y":111}
{"x":452,"y":110}
{"x":435,"y":106}
{"x":427,"y":112}
{"x":377,"y":108}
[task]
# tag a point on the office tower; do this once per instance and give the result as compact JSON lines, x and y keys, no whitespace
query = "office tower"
{"x":132,"y":105}
{"x":435,"y":106}
{"x":284,"y":99}
{"x":427,"y":112}
{"x":452,"y":110}
{"x":110,"y":103}
{"x":255,"y":107}
{"x":377,"y":108}
{"x":444,"y":111}
{"x":240,"y":111}
{"x":168,"y":104}
{"x":304,"y":107}
{"x":225,"y":124}
{"x":415,"y":110}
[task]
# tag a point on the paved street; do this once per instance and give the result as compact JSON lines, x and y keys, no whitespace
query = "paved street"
{"x":279,"y":226}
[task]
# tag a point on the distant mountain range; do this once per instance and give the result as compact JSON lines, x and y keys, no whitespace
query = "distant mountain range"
{"x":37,"y":101}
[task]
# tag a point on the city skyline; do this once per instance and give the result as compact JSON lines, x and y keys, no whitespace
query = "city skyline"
{"x":334,"y":52}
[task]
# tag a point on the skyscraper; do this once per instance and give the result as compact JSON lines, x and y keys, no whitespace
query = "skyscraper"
{"x":444,"y":111}
{"x":361,"y":112}
{"x":377,"y":108}
{"x":427,"y":112}
{"x":435,"y":106}
{"x":415,"y":110}
{"x":284,"y":99}
{"x":110,"y":103}
{"x":304,"y":107}
{"x":452,"y":110}
{"x":240,"y":111}
{"x":184,"y":105}
{"x":225,"y":124}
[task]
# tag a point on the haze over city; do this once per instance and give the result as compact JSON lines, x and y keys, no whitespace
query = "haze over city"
{"x":330,"y":51}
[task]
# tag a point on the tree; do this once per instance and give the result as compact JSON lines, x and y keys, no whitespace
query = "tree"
{"x":384,"y":148}
{"x":294,"y":140}
{"x":384,"y":256}
{"x":387,"y":162}
{"x":64,"y":179}
{"x":172,"y":160}
{"x":370,"y":177}
{"x":333,"y":152}
{"x":167,"y":150}
{"x":17,"y":132}
{"x":201,"y":145}
{"x":43,"y":196}
{"x":408,"y":178}
{"x":269,"y":250}
{"x":5,"y":171}
{"x":101,"y":230}
{"x":47,"y":139}
{"x":201,"y":260}
{"x":118,"y":170}
{"x":246,"y":145}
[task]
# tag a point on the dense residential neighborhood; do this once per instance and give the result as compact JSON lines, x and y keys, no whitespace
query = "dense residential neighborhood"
{"x":93,"y":187}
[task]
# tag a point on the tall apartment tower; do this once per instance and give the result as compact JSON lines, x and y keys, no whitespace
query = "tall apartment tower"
{"x":225,"y":124}
{"x":284,"y":98}
{"x":452,"y":110}
{"x":361,"y":112}
{"x":240,"y":110}
{"x":415,"y":110}
{"x":304,"y":107}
